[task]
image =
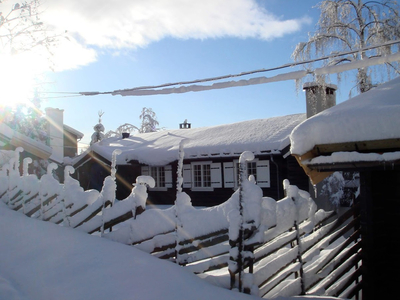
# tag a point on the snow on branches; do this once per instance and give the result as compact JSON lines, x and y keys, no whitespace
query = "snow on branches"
{"x":346,"y":25}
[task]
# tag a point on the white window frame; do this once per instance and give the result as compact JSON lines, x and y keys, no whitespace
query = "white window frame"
{"x":149,"y":171}
{"x":215,"y":176}
{"x":231,"y":172}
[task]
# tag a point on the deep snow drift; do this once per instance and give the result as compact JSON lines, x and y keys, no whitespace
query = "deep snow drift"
{"x":40,"y":260}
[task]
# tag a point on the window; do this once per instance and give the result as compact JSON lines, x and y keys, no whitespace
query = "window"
{"x":258,"y":168}
{"x":202,"y":176}
{"x":251,"y":170}
{"x":158,"y":173}
{"x":162,"y":176}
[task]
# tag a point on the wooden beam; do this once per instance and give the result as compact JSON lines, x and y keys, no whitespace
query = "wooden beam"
{"x":360,"y":146}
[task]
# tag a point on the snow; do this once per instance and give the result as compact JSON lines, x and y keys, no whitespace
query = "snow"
{"x":73,"y":265}
{"x":296,"y":75}
{"x":354,"y":156}
{"x":41,"y":260}
{"x":160,"y":148}
{"x":373,"y":115}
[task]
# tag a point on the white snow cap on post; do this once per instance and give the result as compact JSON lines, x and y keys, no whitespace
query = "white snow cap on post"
{"x":146,"y":180}
{"x":246,"y":156}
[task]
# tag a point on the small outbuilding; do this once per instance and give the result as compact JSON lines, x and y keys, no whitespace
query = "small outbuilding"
{"x":363,"y":134}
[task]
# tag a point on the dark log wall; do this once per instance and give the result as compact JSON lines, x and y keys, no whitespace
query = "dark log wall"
{"x":295,"y":174}
{"x":280,"y":169}
{"x":92,"y":174}
{"x":380,"y":219}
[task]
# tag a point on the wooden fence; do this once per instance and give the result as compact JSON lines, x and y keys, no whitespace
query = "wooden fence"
{"x":251,"y":243}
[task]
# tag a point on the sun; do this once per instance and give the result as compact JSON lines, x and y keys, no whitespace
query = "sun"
{"x":17,"y":80}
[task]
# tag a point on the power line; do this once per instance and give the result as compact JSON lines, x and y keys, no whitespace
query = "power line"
{"x":152,"y":90}
{"x":69,"y":96}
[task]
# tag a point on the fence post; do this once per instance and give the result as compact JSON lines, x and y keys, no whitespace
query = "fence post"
{"x":14,"y":176}
{"x":180,"y":201}
{"x":288,"y":193}
{"x":113,"y":178}
{"x":67,"y":179}
{"x":4,"y":174}
{"x":26,"y":162}
{"x":239,"y":253}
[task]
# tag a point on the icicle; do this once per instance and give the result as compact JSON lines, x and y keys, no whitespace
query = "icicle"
{"x":68,"y":171}
{"x":315,"y":190}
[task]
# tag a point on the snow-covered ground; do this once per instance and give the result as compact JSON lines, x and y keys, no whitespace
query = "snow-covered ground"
{"x":40,"y":260}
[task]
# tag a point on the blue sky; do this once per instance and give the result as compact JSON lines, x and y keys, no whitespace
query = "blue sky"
{"x":118,"y":48}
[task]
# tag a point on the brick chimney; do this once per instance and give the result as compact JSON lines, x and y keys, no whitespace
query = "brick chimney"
{"x":319,"y":97}
{"x":55,"y":130}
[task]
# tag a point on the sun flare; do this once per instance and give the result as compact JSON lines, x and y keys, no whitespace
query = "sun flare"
{"x":17,"y":80}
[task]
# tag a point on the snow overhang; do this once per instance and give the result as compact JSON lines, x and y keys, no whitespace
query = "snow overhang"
{"x":34,"y":147}
{"x":17,"y":139}
{"x":322,"y":160}
{"x":75,"y":132}
{"x":89,"y":155}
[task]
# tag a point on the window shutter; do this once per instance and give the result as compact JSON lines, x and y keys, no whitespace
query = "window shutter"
{"x":229,"y":175}
{"x":263,"y":174}
{"x":168,"y":176}
{"x":216,"y":176}
{"x":145,"y":170}
{"x":187,"y":176}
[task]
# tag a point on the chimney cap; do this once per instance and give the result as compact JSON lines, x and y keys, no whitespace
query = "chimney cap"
{"x":309,"y":85}
{"x":185,"y":125}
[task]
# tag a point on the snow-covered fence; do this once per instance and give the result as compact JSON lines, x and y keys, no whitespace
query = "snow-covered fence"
{"x":308,"y":251}
{"x":289,"y":248}
{"x":295,"y":249}
{"x":68,"y":204}
{"x":251,"y":243}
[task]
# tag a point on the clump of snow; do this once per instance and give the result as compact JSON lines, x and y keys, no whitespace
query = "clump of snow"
{"x":341,"y":156}
{"x":332,"y":187}
{"x":5,"y":156}
{"x":373,"y":115}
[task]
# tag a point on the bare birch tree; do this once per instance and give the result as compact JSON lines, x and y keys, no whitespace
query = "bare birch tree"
{"x":347,"y":25}
{"x":21,"y":28}
{"x":149,"y":120}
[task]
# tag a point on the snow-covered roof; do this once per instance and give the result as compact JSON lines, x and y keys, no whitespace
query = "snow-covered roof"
{"x":78,"y":134}
{"x":372,"y":116}
{"x":347,"y":136}
{"x":20,"y":140}
{"x":160,"y":148}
